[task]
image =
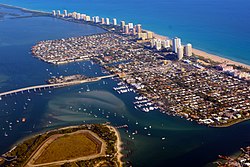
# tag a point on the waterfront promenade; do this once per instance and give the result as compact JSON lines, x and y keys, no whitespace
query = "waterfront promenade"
{"x":57,"y":85}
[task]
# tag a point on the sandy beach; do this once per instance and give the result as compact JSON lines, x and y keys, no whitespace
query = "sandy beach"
{"x":206,"y":55}
{"x":218,"y":58}
{"x":119,"y":143}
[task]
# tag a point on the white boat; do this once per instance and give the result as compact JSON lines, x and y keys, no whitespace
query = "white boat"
{"x":88,"y":88}
{"x":163,"y":138}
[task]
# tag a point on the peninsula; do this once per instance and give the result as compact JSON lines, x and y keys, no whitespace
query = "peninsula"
{"x":193,"y":87}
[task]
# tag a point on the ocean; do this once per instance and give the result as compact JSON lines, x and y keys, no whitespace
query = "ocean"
{"x":173,"y":141}
{"x":218,"y":27}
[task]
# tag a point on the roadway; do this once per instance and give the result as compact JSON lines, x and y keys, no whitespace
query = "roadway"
{"x":56,"y":85}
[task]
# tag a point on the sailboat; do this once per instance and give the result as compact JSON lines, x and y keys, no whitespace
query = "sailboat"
{"x":88,"y":88}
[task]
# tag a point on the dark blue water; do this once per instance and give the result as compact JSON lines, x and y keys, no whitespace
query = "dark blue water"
{"x":219,"y":27}
{"x":185,"y":144}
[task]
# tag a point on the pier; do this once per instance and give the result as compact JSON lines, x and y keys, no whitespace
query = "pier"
{"x":52,"y":86}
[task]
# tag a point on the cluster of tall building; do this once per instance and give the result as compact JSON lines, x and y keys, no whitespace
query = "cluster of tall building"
{"x":181,"y":50}
{"x":145,"y":35}
{"x":130,"y":28}
{"x":79,"y":16}
{"x":177,"y":47}
{"x":160,"y":44}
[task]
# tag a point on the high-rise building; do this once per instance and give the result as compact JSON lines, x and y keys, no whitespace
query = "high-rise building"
{"x":78,"y":16}
{"x":134,"y":30}
{"x":152,"y":43}
{"x":87,"y":18}
{"x":122,"y":24}
{"x":176,"y":44}
{"x":97,"y":19}
{"x":149,"y":34}
{"x":138,"y":28}
{"x":126,"y":29}
{"x":103,"y":21}
{"x":53,"y":12}
{"x":58,"y":12}
{"x":74,"y":15}
{"x":165,"y":43}
{"x":130,"y":25}
{"x":180,"y":52}
{"x":188,"y":51}
{"x":83,"y":16}
{"x":158,"y":45}
{"x":107,"y":21}
{"x":142,"y":36}
{"x":65,"y":13}
{"x":114,"y":21}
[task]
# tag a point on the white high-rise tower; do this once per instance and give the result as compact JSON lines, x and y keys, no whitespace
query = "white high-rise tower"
{"x":114,"y":21}
{"x":188,"y":51}
{"x":180,"y":52}
{"x":107,"y":21}
{"x":176,"y":44}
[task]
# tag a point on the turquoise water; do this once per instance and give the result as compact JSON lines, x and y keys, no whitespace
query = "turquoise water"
{"x":185,"y":144}
{"x":219,"y":27}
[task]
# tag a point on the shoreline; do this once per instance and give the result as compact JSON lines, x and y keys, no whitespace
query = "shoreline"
{"x":118,"y":144}
{"x":219,"y":59}
{"x":232,"y":124}
{"x":208,"y":55}
{"x":198,"y":52}
{"x":82,"y":128}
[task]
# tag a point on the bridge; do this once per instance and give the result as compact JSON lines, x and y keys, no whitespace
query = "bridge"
{"x":56,"y":85}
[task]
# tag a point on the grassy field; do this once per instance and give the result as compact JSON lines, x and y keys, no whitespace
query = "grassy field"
{"x":68,"y":147}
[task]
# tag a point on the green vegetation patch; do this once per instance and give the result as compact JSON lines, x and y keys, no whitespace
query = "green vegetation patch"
{"x":68,"y":147}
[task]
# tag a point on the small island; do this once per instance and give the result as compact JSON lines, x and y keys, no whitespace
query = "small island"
{"x":84,"y":145}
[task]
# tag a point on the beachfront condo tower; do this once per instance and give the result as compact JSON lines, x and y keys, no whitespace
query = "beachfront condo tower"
{"x":114,"y":21}
{"x":180,"y":52}
{"x":107,"y":21}
{"x":123,"y":24}
{"x":65,"y":13}
{"x":188,"y":51}
{"x":53,"y":12}
{"x":176,"y":44}
{"x":130,"y":25}
{"x":138,"y":28}
{"x":126,"y":29}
